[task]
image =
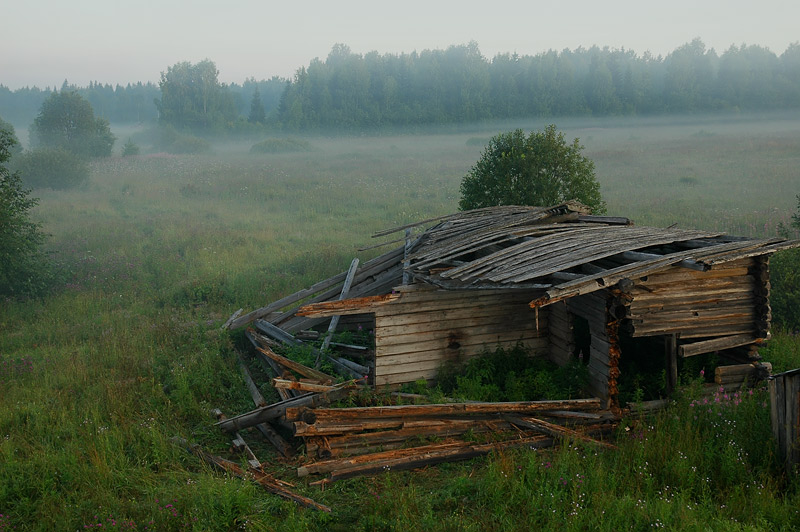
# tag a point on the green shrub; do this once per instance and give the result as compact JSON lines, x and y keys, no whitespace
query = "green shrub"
{"x":54,"y":168}
{"x":24,"y":267}
{"x":785,"y":293}
{"x":277,"y":145}
{"x":130,"y":148}
{"x":512,"y":374}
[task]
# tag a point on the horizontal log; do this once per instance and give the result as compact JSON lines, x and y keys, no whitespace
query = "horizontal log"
{"x":410,"y":424}
{"x":357,"y":305}
{"x":716,"y":344}
{"x":410,"y":411}
{"x":406,"y":434}
{"x":302,"y":386}
{"x":431,"y":457}
{"x":453,"y":341}
{"x":276,"y":410}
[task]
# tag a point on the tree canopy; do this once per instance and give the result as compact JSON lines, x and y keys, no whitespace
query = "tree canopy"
{"x":539,"y":169}
{"x":66,"y":120}
{"x":193,"y":98}
{"x":23,"y":265}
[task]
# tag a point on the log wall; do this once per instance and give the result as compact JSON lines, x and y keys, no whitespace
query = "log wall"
{"x":425,"y":328}
{"x":724,"y":301}
{"x":603,"y":370}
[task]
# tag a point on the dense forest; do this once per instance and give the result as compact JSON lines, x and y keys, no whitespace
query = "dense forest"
{"x":458,"y":85}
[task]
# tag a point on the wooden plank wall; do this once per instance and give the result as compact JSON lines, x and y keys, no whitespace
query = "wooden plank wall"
{"x":603,"y":369}
{"x":562,"y":335}
{"x":416,"y":334}
{"x":694,"y":304}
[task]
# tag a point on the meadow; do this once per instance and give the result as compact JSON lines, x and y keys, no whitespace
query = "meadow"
{"x":158,"y":250}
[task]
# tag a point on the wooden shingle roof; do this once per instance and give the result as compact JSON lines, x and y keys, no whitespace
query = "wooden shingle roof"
{"x":562,"y":250}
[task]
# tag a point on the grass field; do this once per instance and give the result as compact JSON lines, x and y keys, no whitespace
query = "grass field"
{"x":158,"y":250}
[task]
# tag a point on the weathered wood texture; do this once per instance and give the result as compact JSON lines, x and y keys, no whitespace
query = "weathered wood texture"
{"x":562,"y":334}
{"x":722,"y":302}
{"x":423,"y":329}
{"x":784,"y":392}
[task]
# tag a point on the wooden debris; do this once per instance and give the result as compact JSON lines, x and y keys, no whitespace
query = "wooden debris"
{"x":259,"y":477}
{"x":276,"y":410}
{"x":296,"y":366}
{"x":302,"y":386}
{"x":555,"y":431}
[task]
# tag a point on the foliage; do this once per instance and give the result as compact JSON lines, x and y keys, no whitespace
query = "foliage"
{"x":459,"y":85}
{"x":193,"y":98}
{"x":130,"y":148}
{"x":541,"y":169}
{"x":281,"y":145}
{"x":24,"y":267}
{"x":785,"y":280}
{"x":54,"y":168}
{"x":257,"y":114}
{"x":512,"y":374}
{"x":67,"y":121}
{"x":96,"y":378}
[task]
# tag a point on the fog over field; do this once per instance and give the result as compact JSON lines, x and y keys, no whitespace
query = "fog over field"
{"x":164,"y":165}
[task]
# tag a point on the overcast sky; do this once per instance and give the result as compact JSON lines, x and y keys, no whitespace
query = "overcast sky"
{"x":44,"y":42}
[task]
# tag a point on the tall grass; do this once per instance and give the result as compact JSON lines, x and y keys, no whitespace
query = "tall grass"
{"x":158,"y":250}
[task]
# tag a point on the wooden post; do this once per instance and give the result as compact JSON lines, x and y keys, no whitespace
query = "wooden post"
{"x":335,"y":319}
{"x":784,"y":394}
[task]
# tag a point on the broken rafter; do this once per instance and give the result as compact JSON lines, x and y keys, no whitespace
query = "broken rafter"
{"x":357,"y":305}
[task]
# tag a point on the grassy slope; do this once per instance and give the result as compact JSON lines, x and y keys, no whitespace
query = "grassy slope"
{"x":159,"y":250}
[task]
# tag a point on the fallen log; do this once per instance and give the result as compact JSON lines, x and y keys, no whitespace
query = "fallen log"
{"x":276,"y":410}
{"x":432,"y":457}
{"x":239,"y":444}
{"x":325,"y":428}
{"x":333,"y":415}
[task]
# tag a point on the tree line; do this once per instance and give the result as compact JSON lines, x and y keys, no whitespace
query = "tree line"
{"x":132,"y":103}
{"x":450,"y":86}
{"x":459,"y":85}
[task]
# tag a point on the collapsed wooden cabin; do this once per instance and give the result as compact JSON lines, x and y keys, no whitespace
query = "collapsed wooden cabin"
{"x":559,"y":280}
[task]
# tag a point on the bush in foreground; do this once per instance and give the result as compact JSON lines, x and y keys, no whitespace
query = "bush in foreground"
{"x":54,"y":168}
{"x":24,"y":267}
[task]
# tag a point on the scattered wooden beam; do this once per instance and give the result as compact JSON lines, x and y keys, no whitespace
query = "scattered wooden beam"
{"x":239,"y":444}
{"x":296,"y":366}
{"x":556,"y":431}
{"x":266,"y":481}
{"x":300,"y":385}
{"x":410,"y":411}
{"x":335,"y":319}
{"x":277,"y":410}
{"x":716,"y":344}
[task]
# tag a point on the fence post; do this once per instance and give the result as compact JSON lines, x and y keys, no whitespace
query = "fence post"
{"x":784,"y":397}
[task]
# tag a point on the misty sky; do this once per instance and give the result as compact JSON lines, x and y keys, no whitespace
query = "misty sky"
{"x":110,"y":41}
